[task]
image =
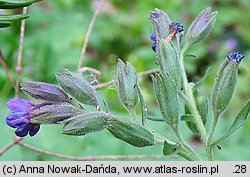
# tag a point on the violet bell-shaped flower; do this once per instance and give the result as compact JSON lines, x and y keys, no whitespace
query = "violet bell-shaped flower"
{"x":20,"y":117}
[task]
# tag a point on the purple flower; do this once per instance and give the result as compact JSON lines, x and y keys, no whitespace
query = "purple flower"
{"x":231,"y":44}
{"x":152,"y":37}
{"x":235,"y":56}
{"x":20,"y":117}
{"x":176,"y":27}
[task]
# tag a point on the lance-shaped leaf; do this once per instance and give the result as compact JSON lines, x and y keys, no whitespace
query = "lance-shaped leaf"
{"x":166,"y":94}
{"x":127,"y":81}
{"x":201,"y":26}
{"x":131,"y":133}
{"x":45,"y":91}
{"x":202,"y":80}
{"x":87,"y":123}
{"x":9,"y":18}
{"x":238,"y":122}
{"x":168,"y":60}
{"x":77,"y":87}
{"x":12,"y":4}
{"x":48,"y":113}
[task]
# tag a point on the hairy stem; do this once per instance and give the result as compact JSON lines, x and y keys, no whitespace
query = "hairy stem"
{"x":193,"y":108}
{"x":186,"y":145}
{"x":209,"y":138}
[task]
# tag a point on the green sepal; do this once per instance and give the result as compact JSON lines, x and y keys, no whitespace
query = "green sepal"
{"x":168,"y":60}
{"x":78,"y":88}
{"x":238,"y":122}
{"x":131,"y":133}
{"x":224,"y":86}
{"x":127,"y":82}
{"x":48,"y":113}
{"x":87,"y":123}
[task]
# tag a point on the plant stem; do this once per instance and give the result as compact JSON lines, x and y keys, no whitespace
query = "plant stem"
{"x":189,"y":93}
{"x":133,"y":114}
{"x":210,"y":135}
{"x":181,"y":152}
{"x":186,"y":145}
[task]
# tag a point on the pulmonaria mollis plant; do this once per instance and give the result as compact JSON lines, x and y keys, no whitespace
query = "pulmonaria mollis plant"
{"x":76,"y":105}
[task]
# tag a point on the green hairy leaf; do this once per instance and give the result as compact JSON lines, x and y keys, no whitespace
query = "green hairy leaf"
{"x":238,"y":122}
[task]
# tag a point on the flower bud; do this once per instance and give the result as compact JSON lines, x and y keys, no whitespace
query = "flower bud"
{"x":131,"y":133}
{"x":77,"y":87}
{"x":225,"y":82}
{"x":87,"y":123}
{"x":45,"y":91}
{"x":160,"y":22}
{"x":127,"y":81}
{"x":201,"y":26}
{"x":48,"y":113}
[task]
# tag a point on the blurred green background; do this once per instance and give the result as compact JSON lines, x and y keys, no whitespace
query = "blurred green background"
{"x":54,"y":35}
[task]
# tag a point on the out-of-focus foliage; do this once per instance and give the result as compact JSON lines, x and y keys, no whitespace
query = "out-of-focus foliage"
{"x":54,"y":35}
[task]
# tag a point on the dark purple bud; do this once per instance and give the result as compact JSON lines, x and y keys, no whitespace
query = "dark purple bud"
{"x":152,"y":36}
{"x":45,"y":91}
{"x":235,"y":56}
{"x":20,"y":117}
{"x":176,"y":27}
{"x":154,"y":46}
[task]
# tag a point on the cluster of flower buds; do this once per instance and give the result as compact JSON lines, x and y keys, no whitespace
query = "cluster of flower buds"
{"x":235,"y":56}
{"x":174,"y":28}
{"x":57,"y":107}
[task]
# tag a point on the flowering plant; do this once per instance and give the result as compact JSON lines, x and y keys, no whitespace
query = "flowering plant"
{"x":180,"y":101}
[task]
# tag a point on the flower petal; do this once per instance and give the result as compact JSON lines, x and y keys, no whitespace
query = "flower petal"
{"x":15,"y":120}
{"x":33,"y":129}
{"x":22,"y":131}
{"x":19,"y":105}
